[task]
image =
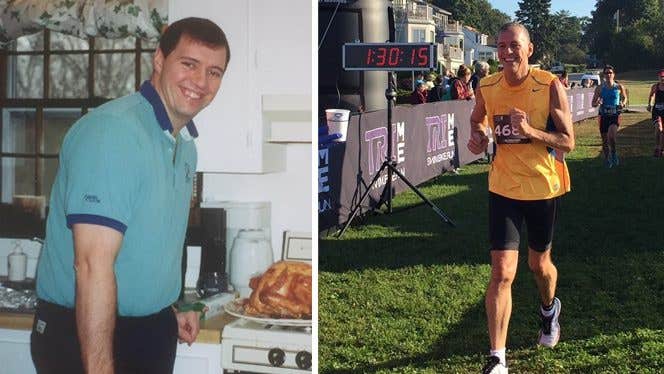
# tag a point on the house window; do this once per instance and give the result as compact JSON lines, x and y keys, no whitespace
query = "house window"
{"x":47,"y":81}
{"x":419,"y":36}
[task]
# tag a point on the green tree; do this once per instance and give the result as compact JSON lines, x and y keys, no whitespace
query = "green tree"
{"x":476,"y":13}
{"x":536,"y":16}
{"x":567,"y":31}
{"x":636,"y":43}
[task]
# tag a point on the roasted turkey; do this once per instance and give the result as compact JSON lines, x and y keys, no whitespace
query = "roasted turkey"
{"x":283,"y":291}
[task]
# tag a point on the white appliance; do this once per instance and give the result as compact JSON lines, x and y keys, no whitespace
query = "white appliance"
{"x":258,"y":348}
{"x":250,"y":346}
{"x":253,"y":215}
{"x":251,"y":255}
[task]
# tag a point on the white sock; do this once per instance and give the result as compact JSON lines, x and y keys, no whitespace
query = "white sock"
{"x":500,"y":353}
{"x":547,"y":313}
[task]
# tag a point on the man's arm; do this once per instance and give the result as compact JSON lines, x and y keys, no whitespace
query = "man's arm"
{"x":563,"y":137}
{"x":478,"y":140}
{"x":95,"y":250}
{"x":623,"y":95}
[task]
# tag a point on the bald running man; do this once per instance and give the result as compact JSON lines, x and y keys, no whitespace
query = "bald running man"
{"x":530,"y":119}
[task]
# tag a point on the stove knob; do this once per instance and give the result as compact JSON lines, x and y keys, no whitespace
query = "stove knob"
{"x":276,"y":357}
{"x":303,"y":360}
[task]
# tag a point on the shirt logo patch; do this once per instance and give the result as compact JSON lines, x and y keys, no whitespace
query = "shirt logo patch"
{"x":187,"y":172}
{"x":41,"y":326}
{"x":92,"y":199}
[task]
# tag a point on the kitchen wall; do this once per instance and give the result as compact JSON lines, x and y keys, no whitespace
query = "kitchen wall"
{"x":289,"y":192}
{"x":255,"y":137}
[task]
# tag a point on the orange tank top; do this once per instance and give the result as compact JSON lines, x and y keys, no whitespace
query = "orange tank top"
{"x":523,"y":169}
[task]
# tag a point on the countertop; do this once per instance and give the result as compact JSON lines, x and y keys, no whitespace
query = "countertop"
{"x":210,"y":328}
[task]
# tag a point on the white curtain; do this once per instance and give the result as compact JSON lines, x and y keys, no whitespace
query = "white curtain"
{"x":106,"y":18}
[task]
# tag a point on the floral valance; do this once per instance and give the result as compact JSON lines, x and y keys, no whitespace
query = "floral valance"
{"x":83,"y":18}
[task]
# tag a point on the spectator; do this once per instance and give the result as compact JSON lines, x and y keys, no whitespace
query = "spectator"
{"x":564,"y":79}
{"x":443,"y":72}
{"x":419,"y":95}
{"x":481,"y":71}
{"x":585,"y":83}
{"x":461,"y":89}
{"x":429,"y":81}
{"x":419,"y":78}
{"x":438,"y":91}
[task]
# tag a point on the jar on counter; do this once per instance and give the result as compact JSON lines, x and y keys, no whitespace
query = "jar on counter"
{"x":17,"y":264}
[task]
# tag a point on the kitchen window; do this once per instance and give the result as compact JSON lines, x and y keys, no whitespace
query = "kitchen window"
{"x":47,"y":81}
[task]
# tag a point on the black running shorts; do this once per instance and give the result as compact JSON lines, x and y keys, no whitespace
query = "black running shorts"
{"x":607,"y":120}
{"x":507,"y":215}
{"x":657,"y":115}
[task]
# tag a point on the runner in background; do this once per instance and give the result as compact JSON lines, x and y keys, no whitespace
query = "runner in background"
{"x":610,"y":97}
{"x":657,"y":91}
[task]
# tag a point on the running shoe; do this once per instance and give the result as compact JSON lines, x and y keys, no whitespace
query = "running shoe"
{"x":614,"y":159}
{"x":550,"y":327}
{"x":493,"y":366}
{"x":609,"y":162}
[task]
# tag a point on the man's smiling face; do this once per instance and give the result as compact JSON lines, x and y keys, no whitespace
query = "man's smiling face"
{"x":188,"y":78}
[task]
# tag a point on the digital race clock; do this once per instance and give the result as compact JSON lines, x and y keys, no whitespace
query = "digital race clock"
{"x":389,"y":56}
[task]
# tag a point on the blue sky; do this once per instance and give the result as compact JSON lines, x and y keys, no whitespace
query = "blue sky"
{"x":579,"y":8}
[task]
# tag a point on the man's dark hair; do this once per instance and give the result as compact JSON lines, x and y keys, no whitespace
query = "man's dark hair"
{"x":199,"y":29}
{"x":608,"y":67}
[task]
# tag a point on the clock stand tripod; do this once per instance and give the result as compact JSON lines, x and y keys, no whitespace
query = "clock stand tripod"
{"x":391,"y":165}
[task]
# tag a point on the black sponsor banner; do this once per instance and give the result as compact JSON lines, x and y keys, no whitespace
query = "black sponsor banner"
{"x":424,"y":145}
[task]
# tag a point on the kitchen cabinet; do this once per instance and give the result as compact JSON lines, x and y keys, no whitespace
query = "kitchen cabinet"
{"x":271,"y":59}
{"x":15,"y":352}
{"x":199,"y":358}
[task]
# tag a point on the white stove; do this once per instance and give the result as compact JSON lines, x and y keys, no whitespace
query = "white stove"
{"x":249,"y":346}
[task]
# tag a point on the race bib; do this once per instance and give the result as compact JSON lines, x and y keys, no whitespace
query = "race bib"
{"x":505,"y":133}
{"x":659,"y":106}
{"x":609,"y":110}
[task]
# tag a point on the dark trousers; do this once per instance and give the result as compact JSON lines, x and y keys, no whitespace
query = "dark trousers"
{"x":140,"y":344}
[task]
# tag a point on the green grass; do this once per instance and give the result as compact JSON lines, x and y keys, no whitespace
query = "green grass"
{"x":403,"y":293}
{"x":638,"y":85}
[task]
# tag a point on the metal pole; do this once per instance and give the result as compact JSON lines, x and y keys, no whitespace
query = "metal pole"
{"x":390,"y":94}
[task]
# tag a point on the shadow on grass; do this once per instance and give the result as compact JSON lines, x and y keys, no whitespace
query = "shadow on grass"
{"x":423,"y":237}
{"x":607,"y":248}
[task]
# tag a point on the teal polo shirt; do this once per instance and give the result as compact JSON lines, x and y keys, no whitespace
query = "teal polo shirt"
{"x":120,"y":167}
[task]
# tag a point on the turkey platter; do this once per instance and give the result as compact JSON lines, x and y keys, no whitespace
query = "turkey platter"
{"x":283,"y":291}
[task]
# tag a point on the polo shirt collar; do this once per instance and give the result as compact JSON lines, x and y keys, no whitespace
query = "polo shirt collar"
{"x":189,"y":132}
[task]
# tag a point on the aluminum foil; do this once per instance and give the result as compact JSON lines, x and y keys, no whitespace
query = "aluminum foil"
{"x":17,"y":300}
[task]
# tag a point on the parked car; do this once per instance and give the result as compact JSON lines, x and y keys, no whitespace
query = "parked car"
{"x":557,"y":68}
{"x":596,"y":80}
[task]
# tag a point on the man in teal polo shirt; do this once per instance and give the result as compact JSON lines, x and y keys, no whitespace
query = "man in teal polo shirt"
{"x":110,"y":268}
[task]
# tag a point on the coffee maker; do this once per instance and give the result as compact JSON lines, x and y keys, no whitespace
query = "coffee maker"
{"x":212,"y":277}
{"x":208,"y":233}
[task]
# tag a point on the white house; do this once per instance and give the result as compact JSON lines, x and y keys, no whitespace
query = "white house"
{"x":418,"y":21}
{"x":475,"y":46}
